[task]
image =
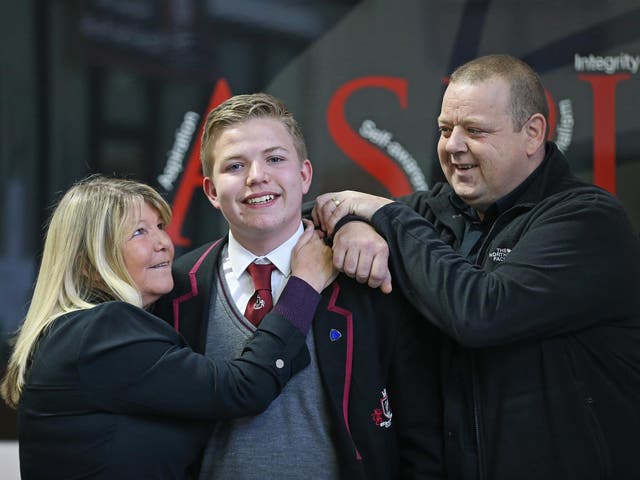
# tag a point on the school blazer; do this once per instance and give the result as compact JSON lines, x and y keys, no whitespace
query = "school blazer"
{"x":378,"y":364}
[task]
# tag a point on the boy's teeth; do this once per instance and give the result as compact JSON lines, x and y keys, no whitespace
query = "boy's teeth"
{"x":263,"y":199}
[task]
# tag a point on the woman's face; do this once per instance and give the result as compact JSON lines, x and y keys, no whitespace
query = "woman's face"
{"x":148,"y":253}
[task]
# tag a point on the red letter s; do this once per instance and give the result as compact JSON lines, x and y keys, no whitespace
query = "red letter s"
{"x":379,"y":165}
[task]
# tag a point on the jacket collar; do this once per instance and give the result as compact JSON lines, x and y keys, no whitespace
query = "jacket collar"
{"x":552,"y":175}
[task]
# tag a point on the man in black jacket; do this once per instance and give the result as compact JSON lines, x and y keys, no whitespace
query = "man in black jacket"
{"x":533,"y":275}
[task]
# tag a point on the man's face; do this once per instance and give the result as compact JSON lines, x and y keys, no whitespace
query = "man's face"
{"x":258,"y":183}
{"x":480,"y":154}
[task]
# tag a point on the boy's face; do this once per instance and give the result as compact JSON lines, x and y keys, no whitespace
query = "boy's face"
{"x":258,"y":183}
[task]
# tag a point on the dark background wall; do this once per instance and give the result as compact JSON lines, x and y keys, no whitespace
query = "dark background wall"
{"x":121,"y":86}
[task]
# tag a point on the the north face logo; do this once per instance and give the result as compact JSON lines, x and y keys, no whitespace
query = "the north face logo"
{"x":500,"y":254}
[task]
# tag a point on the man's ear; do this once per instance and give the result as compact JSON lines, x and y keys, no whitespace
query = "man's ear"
{"x":536,"y":131}
{"x":306,"y":172}
{"x":210,"y":191}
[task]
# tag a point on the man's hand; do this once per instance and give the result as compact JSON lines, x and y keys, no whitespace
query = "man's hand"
{"x":361,"y":253}
{"x":331,"y":207}
{"x":311,"y":259}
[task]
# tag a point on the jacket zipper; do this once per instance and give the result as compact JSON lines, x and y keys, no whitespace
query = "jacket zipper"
{"x":474,"y":382}
{"x":474,"y":377}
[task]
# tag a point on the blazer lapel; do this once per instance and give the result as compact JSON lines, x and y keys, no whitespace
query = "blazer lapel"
{"x":333,"y":334}
{"x":191,"y":306}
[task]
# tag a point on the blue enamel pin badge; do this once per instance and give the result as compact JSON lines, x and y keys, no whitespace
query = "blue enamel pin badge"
{"x":334,"y":335}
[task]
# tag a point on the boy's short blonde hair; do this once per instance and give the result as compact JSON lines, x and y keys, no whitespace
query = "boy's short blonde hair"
{"x":241,"y":108}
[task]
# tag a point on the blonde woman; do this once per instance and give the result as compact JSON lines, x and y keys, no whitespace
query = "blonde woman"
{"x":103,"y":388}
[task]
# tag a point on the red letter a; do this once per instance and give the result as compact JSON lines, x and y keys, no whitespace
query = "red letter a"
{"x":192,"y":177}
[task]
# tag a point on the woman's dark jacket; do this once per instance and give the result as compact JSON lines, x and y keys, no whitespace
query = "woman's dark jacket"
{"x":113,"y":392}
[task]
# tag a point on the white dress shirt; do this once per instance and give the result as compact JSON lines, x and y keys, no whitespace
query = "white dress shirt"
{"x":238,"y":258}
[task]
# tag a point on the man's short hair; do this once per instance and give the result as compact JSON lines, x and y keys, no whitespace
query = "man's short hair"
{"x":527,"y":93}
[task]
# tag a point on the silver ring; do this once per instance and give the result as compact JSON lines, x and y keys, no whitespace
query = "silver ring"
{"x":335,"y":201}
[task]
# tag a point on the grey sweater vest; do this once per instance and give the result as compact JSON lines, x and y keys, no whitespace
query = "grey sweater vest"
{"x":290,"y":440}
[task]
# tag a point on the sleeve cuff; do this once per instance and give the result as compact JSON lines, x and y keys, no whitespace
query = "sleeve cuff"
{"x":342,"y":222}
{"x":383,"y":214}
{"x":297,"y":303}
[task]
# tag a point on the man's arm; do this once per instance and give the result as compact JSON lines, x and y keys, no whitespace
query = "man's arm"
{"x":331,"y":207}
{"x":551,"y":282}
{"x":569,"y":268}
{"x":361,"y":253}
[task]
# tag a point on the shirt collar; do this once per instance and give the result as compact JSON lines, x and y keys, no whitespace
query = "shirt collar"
{"x":240,"y":257}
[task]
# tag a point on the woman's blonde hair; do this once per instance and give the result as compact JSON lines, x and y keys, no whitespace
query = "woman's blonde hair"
{"x":82,"y":262}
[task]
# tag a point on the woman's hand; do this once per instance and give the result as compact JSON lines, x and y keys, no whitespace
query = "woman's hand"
{"x":312,"y":259}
